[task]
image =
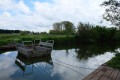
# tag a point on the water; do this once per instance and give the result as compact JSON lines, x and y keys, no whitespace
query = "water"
{"x":65,"y":63}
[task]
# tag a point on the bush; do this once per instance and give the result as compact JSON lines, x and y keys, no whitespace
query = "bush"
{"x":97,"y":34}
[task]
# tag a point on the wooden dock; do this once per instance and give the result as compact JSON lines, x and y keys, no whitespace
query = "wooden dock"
{"x":32,"y":51}
{"x":7,"y":47}
{"x":104,"y":73}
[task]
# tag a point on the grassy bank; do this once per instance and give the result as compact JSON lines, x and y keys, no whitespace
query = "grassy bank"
{"x":115,"y":62}
{"x":59,"y":39}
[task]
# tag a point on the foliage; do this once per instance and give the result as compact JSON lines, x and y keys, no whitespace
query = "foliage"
{"x":112,"y":13}
{"x":24,"y":32}
{"x":115,"y":62}
{"x":61,"y":28}
{"x":117,"y":35}
{"x":68,"y":27}
{"x":84,"y":32}
{"x":54,"y":32}
{"x":88,"y":33}
{"x":43,"y":33}
{"x":57,"y":26}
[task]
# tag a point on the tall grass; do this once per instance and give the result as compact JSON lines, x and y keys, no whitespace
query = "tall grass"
{"x":59,"y":39}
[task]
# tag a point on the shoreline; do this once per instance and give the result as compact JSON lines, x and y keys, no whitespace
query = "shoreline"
{"x":104,"y":72}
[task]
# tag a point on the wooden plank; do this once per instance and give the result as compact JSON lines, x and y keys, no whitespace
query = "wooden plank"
{"x":118,"y":76}
{"x":113,"y":75}
{"x":107,"y":74}
{"x":100,"y":74}
{"x":93,"y":73}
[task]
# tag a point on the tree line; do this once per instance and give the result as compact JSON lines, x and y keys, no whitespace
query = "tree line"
{"x":88,"y":33}
{"x":9,"y":31}
{"x":3,"y":31}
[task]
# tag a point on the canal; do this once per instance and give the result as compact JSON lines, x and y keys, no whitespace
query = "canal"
{"x":65,"y":63}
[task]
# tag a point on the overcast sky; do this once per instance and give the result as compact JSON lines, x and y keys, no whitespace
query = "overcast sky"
{"x":39,"y":15}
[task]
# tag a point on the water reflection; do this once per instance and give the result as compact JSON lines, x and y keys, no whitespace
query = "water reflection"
{"x":70,"y":63}
{"x":6,"y":65}
{"x":22,"y":63}
{"x":85,"y":52}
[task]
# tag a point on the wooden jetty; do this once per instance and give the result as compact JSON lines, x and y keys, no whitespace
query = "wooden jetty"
{"x":8,"y":47}
{"x":30,"y":51}
{"x":104,"y":73}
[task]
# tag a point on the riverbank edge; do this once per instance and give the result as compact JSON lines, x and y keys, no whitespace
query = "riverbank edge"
{"x":115,"y":61}
{"x":104,"y":72}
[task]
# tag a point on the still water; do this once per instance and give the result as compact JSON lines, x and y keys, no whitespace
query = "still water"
{"x":65,"y":63}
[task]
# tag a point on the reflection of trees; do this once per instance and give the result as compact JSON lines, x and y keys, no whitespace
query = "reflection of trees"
{"x":65,"y":47}
{"x":85,"y":52}
{"x":67,"y":52}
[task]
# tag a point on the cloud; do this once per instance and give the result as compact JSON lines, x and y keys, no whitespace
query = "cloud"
{"x":6,"y":5}
{"x":18,"y":15}
{"x":22,"y":7}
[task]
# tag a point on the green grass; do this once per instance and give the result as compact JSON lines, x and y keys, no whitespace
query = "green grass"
{"x":115,"y":62}
{"x":59,"y":39}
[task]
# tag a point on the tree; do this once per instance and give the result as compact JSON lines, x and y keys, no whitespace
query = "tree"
{"x":68,"y":27}
{"x":64,"y":27}
{"x":57,"y":26}
{"x":112,"y":12}
{"x":84,"y":32}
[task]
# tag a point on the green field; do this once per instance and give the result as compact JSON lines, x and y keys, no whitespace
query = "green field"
{"x":59,"y":39}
